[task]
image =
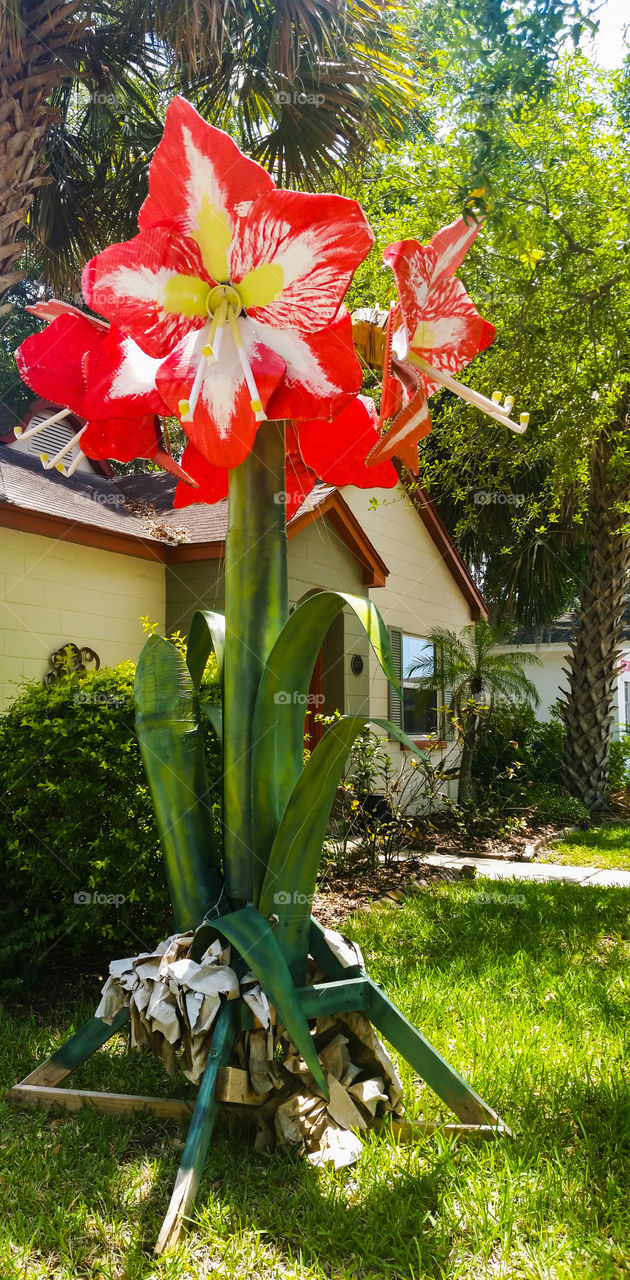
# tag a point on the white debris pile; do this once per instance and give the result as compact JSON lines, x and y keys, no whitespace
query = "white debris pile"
{"x":362,"y":1081}
{"x":173,"y":1002}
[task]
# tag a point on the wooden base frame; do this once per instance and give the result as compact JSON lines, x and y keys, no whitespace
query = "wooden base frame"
{"x":348,"y":990}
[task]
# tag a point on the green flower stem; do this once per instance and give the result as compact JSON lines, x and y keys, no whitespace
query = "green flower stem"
{"x":256,"y":609}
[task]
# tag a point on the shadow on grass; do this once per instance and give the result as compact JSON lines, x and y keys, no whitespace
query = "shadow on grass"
{"x":82,"y":1184}
{"x":77,"y":1176}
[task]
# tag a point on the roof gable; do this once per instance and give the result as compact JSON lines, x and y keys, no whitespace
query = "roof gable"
{"x":134,"y":515}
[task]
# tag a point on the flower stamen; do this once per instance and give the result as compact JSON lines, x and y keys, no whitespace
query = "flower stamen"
{"x":73,"y":465}
{"x":256,"y":402}
{"x":491,"y":407}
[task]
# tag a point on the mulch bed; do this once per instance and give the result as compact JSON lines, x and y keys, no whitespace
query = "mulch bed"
{"x":342,"y":893}
{"x":360,"y":884}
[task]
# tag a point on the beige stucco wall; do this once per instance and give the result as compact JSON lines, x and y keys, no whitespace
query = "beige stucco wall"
{"x":420,"y":592}
{"x":192,"y":585}
{"x":53,"y":591}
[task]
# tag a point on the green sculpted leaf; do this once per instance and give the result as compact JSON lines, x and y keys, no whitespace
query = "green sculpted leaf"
{"x":280,"y":705}
{"x":289,"y":883}
{"x":255,"y":940}
{"x":207,"y":633}
{"x":171,"y":743}
{"x":214,"y":714}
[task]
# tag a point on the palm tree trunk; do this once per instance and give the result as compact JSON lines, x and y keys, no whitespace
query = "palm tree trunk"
{"x":587,"y":707}
{"x":33,"y":37}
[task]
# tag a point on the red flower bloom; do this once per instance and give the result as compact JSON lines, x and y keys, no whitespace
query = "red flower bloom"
{"x":102,"y":376}
{"x":232,"y":283}
{"x":441,"y":330}
{"x":333,"y":452}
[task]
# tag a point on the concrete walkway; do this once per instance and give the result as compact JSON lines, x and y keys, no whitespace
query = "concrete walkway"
{"x":545,"y":872}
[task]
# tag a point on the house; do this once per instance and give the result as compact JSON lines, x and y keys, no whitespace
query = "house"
{"x":551,"y":645}
{"x":84,"y":558}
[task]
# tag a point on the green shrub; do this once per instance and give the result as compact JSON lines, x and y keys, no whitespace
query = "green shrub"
{"x":554,"y":804}
{"x":76,"y":818}
{"x":517,"y":745}
{"x":619,"y":764}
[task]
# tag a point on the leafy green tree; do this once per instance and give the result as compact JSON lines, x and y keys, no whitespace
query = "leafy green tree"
{"x":551,"y":268}
{"x":476,"y":678}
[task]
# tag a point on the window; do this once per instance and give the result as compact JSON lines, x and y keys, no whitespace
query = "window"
{"x":420,"y":715}
{"x":417,"y":713}
{"x":626,"y":704}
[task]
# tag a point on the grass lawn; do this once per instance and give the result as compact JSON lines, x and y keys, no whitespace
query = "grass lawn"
{"x":607,"y":847}
{"x":523,"y":987}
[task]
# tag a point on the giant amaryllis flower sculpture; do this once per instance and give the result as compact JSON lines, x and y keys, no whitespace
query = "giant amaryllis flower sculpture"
{"x":226,"y":310}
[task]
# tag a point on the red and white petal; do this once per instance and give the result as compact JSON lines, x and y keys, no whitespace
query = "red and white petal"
{"x":294,"y":256}
{"x":408,"y":427}
{"x":391,"y":394}
{"x":322,"y":370}
{"x":201,"y":183}
{"x":423,"y":271}
{"x":154,"y":287}
{"x":300,"y":479}
{"x":337,"y":450}
{"x":212,"y":481}
{"x":412,"y":266}
{"x":450,"y":246}
{"x":122,"y":438}
{"x":121,"y":379}
{"x":51,"y":362}
{"x":224,"y":425}
{"x":450,"y":332}
{"x":125,"y":439}
{"x":53,"y":308}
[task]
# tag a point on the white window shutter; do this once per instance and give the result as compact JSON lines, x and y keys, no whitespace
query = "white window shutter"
{"x":395,"y":707}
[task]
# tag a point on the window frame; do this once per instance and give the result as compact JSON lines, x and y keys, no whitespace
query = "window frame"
{"x":438,"y":736}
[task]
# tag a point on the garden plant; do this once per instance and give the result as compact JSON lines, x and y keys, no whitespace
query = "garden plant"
{"x":226,"y":310}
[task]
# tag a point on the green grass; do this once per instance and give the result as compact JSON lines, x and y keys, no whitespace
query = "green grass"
{"x":527,"y":994}
{"x":607,"y":847}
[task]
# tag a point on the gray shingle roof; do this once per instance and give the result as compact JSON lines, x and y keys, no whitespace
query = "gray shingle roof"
{"x":561,"y":631}
{"x":138,"y":506}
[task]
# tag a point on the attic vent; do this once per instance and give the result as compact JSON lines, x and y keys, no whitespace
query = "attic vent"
{"x":52,"y":439}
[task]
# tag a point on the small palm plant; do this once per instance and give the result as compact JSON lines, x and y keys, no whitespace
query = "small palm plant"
{"x":477,"y":674}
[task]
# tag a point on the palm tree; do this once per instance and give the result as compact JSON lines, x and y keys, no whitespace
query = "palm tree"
{"x":476,"y":677}
{"x":587,"y":706}
{"x":303,"y":84}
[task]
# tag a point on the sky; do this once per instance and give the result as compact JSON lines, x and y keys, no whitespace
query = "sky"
{"x":608,"y":47}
